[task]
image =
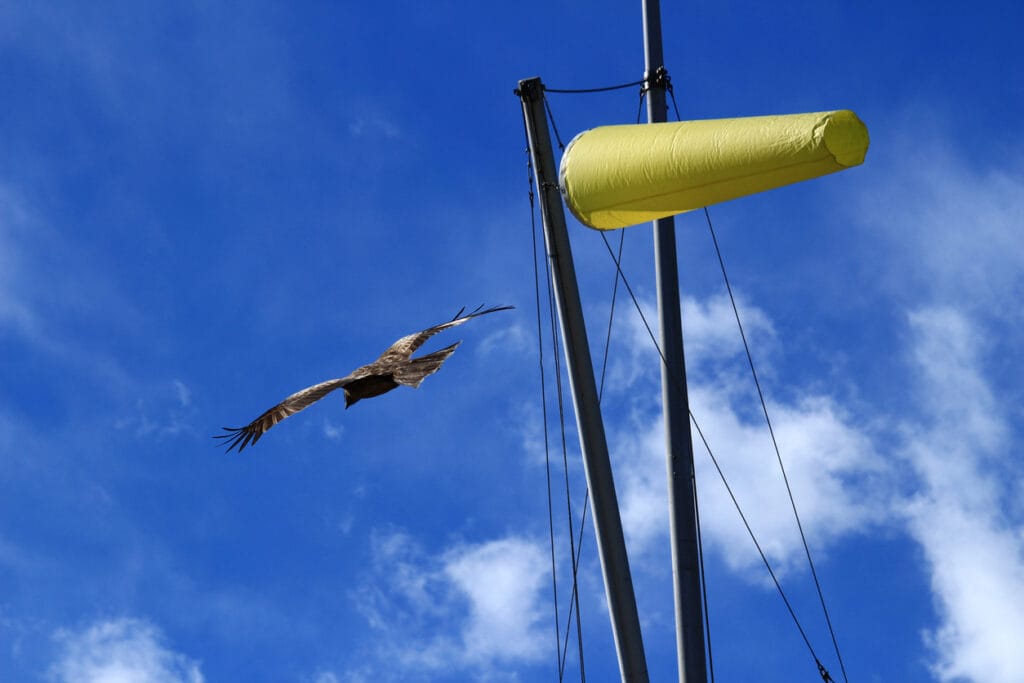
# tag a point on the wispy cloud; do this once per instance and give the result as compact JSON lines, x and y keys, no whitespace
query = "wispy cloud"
{"x":836,"y":474}
{"x":951,"y":229}
{"x":51,"y":287}
{"x":502,"y":581}
{"x":956,"y":441}
{"x":160,"y":412}
{"x":121,"y":650}
{"x":332,"y":430}
{"x":184,"y":393}
{"x":961,"y":516}
{"x":957,"y":260}
{"x":470,"y":608}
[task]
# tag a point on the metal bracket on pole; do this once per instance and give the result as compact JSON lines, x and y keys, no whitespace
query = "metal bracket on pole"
{"x":607,"y":523}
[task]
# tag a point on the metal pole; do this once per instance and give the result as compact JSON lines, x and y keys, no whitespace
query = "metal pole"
{"x":604,"y":505}
{"x":682,"y":510}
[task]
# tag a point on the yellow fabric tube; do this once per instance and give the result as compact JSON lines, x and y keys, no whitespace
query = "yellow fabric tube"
{"x":613,"y":176}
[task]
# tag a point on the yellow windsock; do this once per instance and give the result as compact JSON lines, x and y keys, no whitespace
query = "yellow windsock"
{"x":613,"y":176}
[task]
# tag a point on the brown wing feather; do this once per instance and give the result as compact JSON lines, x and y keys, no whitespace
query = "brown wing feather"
{"x":251,"y":433}
{"x":403,"y":349}
{"x":395,"y":361}
{"x":416,"y":370}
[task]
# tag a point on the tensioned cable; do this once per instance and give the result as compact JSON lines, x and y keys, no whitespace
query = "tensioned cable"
{"x":592,"y":90}
{"x":775,"y":444}
{"x":764,"y":558}
{"x":611,"y":317}
{"x":600,"y":394}
{"x":667,"y":82}
{"x":703,"y":582}
{"x":551,"y":118}
{"x":663,"y":76}
{"x":544,"y":412}
{"x":583,"y":518}
{"x":565,"y":468}
{"x":664,"y":79}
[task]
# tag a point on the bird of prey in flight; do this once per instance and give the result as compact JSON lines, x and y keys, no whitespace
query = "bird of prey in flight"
{"x":395,"y":367}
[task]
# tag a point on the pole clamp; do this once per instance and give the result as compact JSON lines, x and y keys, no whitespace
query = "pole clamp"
{"x":660,"y":79}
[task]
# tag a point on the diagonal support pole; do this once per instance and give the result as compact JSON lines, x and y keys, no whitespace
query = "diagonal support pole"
{"x":596,"y":463}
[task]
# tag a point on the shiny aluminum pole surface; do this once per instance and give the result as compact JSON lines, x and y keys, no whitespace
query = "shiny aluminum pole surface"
{"x":682,"y":505}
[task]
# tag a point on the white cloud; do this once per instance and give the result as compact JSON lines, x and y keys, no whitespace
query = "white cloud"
{"x":121,"y":651}
{"x":953,"y":231}
{"x":962,"y":517}
{"x":473,"y":607}
{"x":838,"y":479}
{"x":711,"y":330}
{"x":184,"y":394}
{"x":333,"y":431}
{"x":502,"y":581}
{"x":160,"y":413}
{"x":955,"y":438}
{"x":515,"y":338}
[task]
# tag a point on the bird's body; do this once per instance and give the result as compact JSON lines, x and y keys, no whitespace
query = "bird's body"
{"x":395,"y":367}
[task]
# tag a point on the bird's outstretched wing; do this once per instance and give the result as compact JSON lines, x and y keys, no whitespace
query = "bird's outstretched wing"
{"x":395,"y":367}
{"x":413,"y":372}
{"x":251,"y":433}
{"x":403,"y":349}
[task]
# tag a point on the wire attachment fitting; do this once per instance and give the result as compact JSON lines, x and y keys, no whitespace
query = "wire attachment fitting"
{"x":660,"y":79}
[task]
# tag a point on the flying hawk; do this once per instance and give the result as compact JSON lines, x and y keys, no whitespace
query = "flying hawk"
{"x":394,"y":368}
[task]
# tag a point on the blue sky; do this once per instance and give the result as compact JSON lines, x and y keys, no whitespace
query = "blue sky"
{"x":207,"y":206}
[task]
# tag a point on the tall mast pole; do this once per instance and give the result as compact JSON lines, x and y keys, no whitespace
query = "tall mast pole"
{"x":686,"y":580}
{"x":607,"y":523}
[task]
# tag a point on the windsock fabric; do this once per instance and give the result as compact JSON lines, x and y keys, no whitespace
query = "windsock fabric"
{"x":614,"y":176}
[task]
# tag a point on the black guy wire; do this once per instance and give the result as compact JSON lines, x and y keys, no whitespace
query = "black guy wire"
{"x":821,"y":669}
{"x":544,"y":408}
{"x":672,"y":94}
{"x":707,"y":624}
{"x":611,"y":317}
{"x":575,"y":555}
{"x":775,"y":444}
{"x":579,"y":551}
{"x":714,"y":460}
{"x":703,"y":583}
{"x":696,"y":505}
{"x":757,"y":545}
{"x":565,"y":458}
{"x":551,"y":118}
{"x":574,"y":599}
{"x":568,"y":495}
{"x":592,"y":90}
{"x":600,"y":394}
